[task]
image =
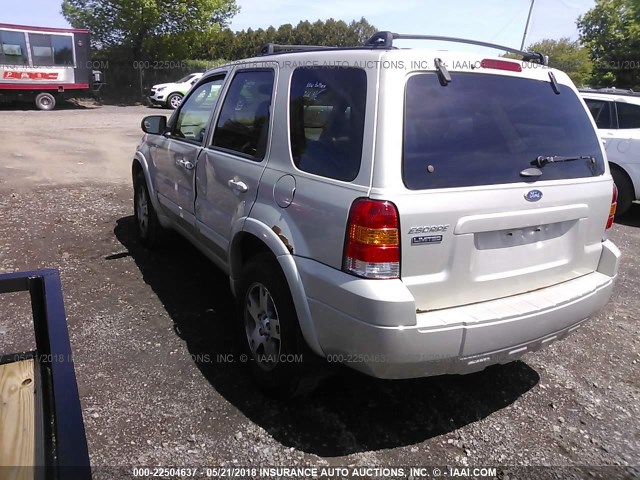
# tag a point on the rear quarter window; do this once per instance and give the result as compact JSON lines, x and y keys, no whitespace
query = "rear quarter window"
{"x":327,"y":109}
{"x":485,"y":129}
{"x":628,"y":115}
{"x":601,"y":112}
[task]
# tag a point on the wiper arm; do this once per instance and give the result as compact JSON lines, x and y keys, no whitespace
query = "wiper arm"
{"x":443,"y":74}
{"x":541,"y":161}
{"x":554,"y":83}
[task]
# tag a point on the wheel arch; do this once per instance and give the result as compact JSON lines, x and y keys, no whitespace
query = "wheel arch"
{"x":254,"y":237}
{"x":635,"y":188}
{"x":140,"y":165}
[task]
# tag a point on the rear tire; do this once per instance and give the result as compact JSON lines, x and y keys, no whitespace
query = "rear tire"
{"x":625,"y":191}
{"x":278,"y":357}
{"x":45,"y":101}
{"x":174,"y":100}
{"x":150,"y":231}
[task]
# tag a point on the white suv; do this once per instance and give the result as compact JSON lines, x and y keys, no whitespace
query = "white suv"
{"x":617,"y":115}
{"x":404,"y":212}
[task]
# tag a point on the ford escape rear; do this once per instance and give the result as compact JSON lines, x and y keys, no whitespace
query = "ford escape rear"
{"x":405,"y":212}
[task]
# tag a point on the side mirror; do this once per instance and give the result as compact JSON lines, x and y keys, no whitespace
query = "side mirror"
{"x":193,"y":82}
{"x":154,"y":124}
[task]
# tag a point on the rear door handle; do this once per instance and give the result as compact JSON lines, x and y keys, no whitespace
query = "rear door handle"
{"x":181,"y":162}
{"x":238,"y":185}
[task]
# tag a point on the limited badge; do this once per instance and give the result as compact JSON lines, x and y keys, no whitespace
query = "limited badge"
{"x":426,"y":240}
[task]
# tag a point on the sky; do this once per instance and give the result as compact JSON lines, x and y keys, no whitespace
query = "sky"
{"x":496,"y":21}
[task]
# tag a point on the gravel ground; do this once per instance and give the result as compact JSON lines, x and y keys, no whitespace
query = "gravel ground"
{"x":149,"y":330}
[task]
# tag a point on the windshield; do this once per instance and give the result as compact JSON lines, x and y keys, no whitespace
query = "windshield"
{"x":485,"y":129}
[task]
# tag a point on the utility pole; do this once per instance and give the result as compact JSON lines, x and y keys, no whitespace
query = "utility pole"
{"x":526,"y":27}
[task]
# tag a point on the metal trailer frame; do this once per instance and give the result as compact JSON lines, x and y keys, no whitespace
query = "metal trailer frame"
{"x":61,"y":451}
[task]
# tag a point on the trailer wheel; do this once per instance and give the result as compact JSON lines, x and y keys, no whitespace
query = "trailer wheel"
{"x":45,"y":101}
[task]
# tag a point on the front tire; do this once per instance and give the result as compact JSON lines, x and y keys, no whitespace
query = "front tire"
{"x":150,"y":231}
{"x":625,"y":191}
{"x":278,"y":357}
{"x":45,"y":101}
{"x":174,"y":100}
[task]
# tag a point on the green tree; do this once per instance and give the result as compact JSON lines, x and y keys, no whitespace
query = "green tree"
{"x":129,"y":23}
{"x":336,"y":33}
{"x":361,"y":31}
{"x":217,"y":45}
{"x":570,"y":57}
{"x":284,"y":35}
{"x":611,"y":31}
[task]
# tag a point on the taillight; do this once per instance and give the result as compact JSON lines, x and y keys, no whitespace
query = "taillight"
{"x":500,"y":65}
{"x":372,"y":247}
{"x":612,"y":209}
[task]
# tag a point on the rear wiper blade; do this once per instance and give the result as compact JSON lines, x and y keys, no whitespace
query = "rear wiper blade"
{"x":443,"y":74}
{"x":541,"y":161}
{"x":554,"y":83}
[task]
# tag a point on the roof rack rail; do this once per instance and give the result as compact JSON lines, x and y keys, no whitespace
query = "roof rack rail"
{"x":611,"y":90}
{"x":385,"y":40}
{"x":271,"y":48}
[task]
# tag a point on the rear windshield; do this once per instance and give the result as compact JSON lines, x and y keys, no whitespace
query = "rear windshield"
{"x":485,"y":129}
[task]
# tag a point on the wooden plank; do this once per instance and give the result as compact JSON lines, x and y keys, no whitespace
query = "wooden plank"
{"x":17,"y":417}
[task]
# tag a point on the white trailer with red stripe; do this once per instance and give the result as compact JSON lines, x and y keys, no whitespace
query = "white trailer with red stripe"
{"x":43,"y":64}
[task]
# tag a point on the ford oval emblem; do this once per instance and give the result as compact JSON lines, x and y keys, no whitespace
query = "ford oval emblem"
{"x":533,"y":196}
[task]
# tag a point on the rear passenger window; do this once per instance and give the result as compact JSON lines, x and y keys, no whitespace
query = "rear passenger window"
{"x":600,"y":112}
{"x":327,"y":107}
{"x":243,"y":125}
{"x":628,"y":115}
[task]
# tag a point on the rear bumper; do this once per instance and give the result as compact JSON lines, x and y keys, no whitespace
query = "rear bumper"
{"x":372,"y":325}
